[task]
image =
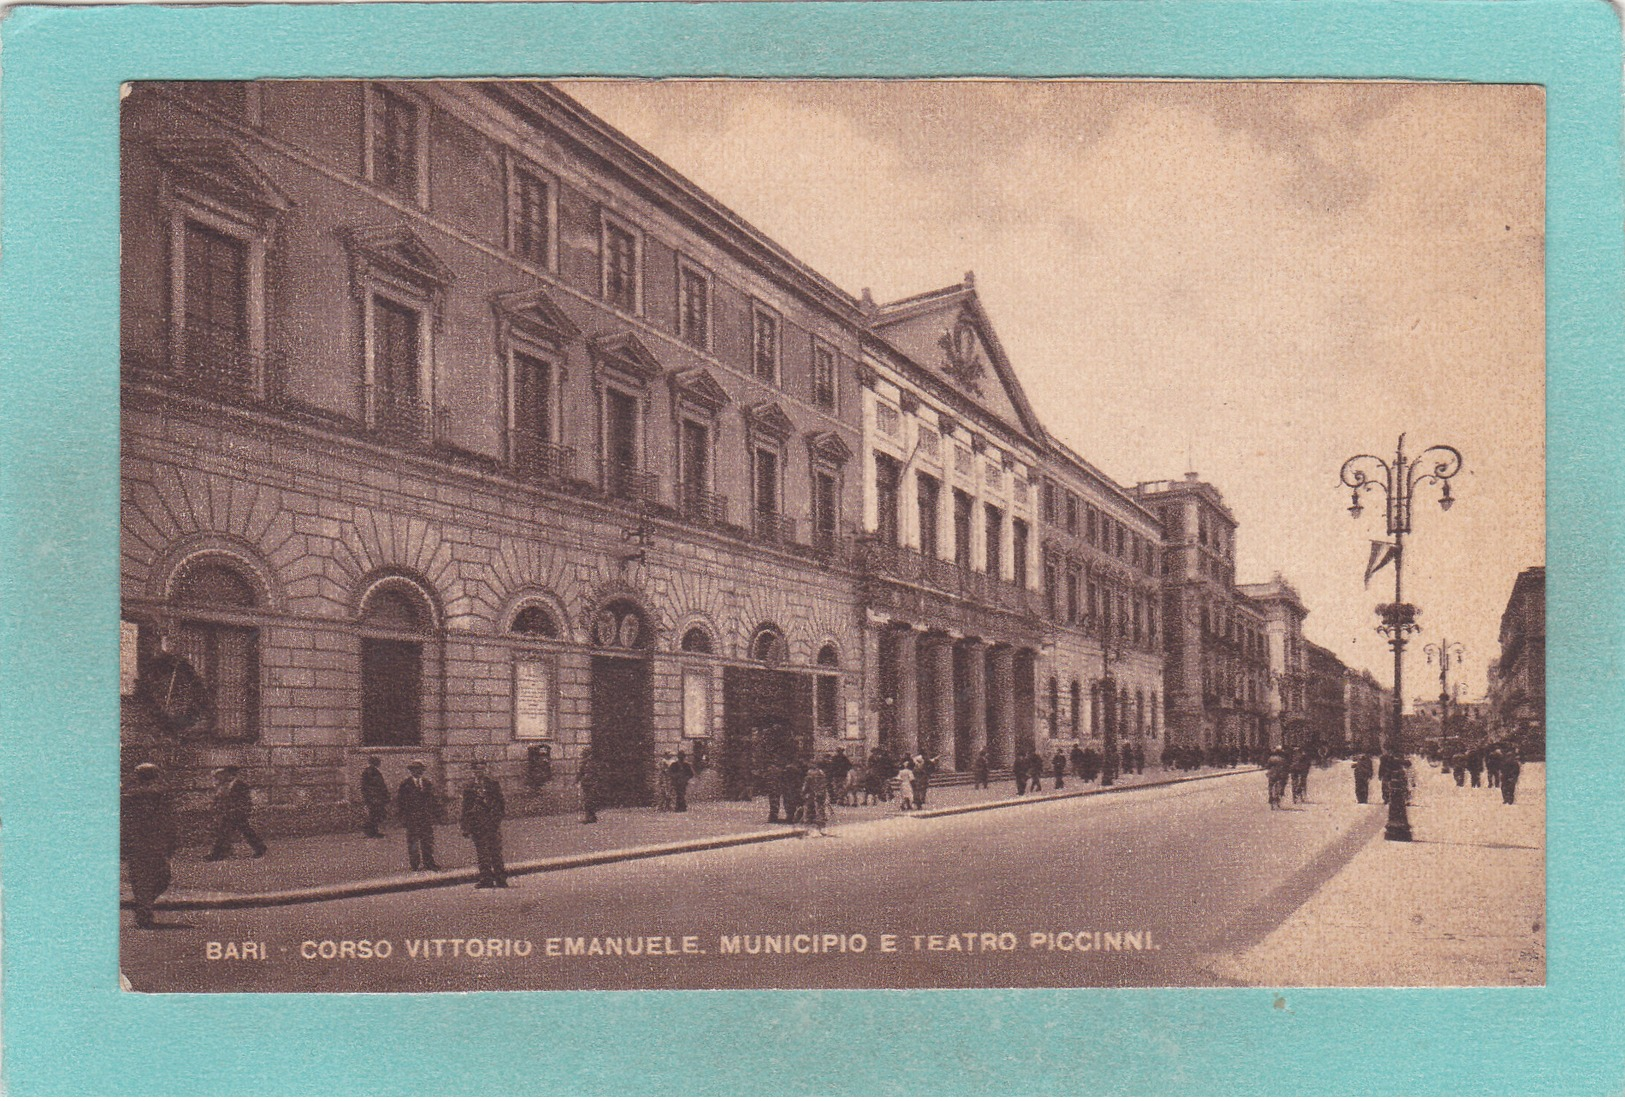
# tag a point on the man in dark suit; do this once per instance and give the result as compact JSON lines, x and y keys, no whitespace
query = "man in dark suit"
{"x":483,"y":810}
{"x":415,"y":803}
{"x":233,"y":802}
{"x":375,"y":795}
{"x":146,"y":840}
{"x":681,"y":774}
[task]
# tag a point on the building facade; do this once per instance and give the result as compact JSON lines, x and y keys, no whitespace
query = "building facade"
{"x":1284,"y":612}
{"x":1327,"y":703}
{"x":1517,"y":710}
{"x":1367,"y":712}
{"x":1215,"y":650}
{"x":457,"y":427}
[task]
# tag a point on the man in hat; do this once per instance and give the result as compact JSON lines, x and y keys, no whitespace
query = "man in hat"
{"x":146,"y":839}
{"x":415,"y":803}
{"x":375,"y":795}
{"x":233,"y":802}
{"x":483,"y":810}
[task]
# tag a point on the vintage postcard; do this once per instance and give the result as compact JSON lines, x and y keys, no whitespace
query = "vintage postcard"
{"x":805,"y":548}
{"x":729,"y":534}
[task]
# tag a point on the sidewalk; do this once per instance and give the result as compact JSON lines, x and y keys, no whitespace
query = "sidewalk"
{"x":1462,"y":905}
{"x":328,"y":866}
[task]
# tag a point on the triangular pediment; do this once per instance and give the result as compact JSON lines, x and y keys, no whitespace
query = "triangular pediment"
{"x":534,"y":313}
{"x":829,"y":447}
{"x":948,"y":334}
{"x":625,"y":353}
{"x":770,"y":420}
{"x":697,"y":387}
{"x":398,"y":250}
{"x":217,"y":169}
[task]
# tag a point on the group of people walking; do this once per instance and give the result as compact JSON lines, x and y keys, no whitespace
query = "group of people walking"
{"x":1494,"y":765}
{"x":1288,"y":766}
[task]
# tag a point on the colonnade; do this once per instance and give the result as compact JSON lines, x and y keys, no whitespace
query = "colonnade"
{"x":951,"y":696}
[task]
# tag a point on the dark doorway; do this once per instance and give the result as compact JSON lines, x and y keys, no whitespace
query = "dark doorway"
{"x":767,"y":718}
{"x":391,"y":692}
{"x":620,"y":728}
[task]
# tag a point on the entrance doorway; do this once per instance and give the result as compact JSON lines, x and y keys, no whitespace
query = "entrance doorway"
{"x":620,"y":728}
{"x":767,"y":719}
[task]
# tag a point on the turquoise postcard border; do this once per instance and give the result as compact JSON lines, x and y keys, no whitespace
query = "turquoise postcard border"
{"x":68,"y":1029}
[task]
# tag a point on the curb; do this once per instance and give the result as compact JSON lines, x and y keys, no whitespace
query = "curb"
{"x":395,"y":884}
{"x":1030,"y":800}
{"x":333,"y":892}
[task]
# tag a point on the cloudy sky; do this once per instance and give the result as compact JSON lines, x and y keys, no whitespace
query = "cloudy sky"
{"x":1250,"y":280}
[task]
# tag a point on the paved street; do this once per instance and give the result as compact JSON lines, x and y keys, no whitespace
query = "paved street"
{"x":1157,"y":882}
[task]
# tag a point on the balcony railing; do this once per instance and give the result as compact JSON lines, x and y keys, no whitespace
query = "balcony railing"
{"x":538,"y":460}
{"x":909,"y":566}
{"x":210,"y":361}
{"x":773,"y":527}
{"x":702,"y":507}
{"x":398,"y":416}
{"x":631,"y":483}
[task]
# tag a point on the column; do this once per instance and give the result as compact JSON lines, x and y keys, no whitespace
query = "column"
{"x":1001,"y":705}
{"x":973,"y":717}
{"x":907,"y":708}
{"x":938,"y":740}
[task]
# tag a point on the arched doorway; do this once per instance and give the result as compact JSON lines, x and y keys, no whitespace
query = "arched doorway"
{"x":767,"y":713}
{"x":622,"y":734}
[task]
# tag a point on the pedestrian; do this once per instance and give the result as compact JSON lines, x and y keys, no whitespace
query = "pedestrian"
{"x":815,"y":798}
{"x":1275,"y":771}
{"x":905,"y":786}
{"x":1492,"y":766}
{"x":1458,"y":765}
{"x":1059,"y":764}
{"x":1077,"y":759}
{"x":663,"y":790}
{"x":483,"y":810}
{"x":233,"y":803}
{"x":680,"y":773}
{"x":979,"y":770}
{"x":1091,"y":764}
{"x":772,"y":776}
{"x":1511,"y":769}
{"x":1299,"y":773}
{"x":1362,"y":777}
{"x":590,"y":779}
{"x":924,"y":768}
{"x":416,"y":806}
{"x":790,"y":780}
{"x":1475,"y":767}
{"x":1035,"y":772}
{"x":1020,"y":771}
{"x":840,"y":767}
{"x":375,"y":796}
{"x":147,"y":839}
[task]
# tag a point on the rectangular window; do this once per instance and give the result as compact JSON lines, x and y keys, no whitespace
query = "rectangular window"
{"x":394,"y":143}
{"x":1018,"y":551}
{"x":824,"y":395}
{"x":532,"y":411}
{"x":826,"y":509}
{"x":767,"y":482}
{"x":1052,"y":583}
{"x":624,"y":478}
{"x":930,"y":442}
{"x":962,"y":461}
{"x":621,"y":267}
{"x":993,"y":476}
{"x":694,"y":306}
{"x":995,"y":541}
{"x":928,"y":491}
{"x":963,"y":508}
{"x":1047,"y":502}
{"x":226,"y":659}
{"x":1071,"y":514}
{"x":396,"y":361}
{"x":1120,"y":533}
{"x":694,"y":465}
{"x":827,"y":705}
{"x":888,"y":473}
{"x":1072,"y":608}
{"x":764,"y":354}
{"x":214,"y":330}
{"x":887,"y":420}
{"x":532,"y":218}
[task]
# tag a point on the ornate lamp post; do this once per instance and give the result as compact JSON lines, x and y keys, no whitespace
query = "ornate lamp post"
{"x":1446,"y":653}
{"x":1398,"y":482}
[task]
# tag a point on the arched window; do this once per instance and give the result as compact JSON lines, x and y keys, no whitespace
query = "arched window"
{"x":696,"y":640}
{"x":827,"y":700}
{"x":394,"y":619}
{"x":535,"y":621}
{"x":769,"y":646}
{"x":1139,"y":713}
{"x":829,"y":656}
{"x":1054,"y":709}
{"x":223,"y":656}
{"x":1077,"y":710}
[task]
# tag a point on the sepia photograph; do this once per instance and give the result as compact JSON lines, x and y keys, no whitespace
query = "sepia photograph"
{"x":702,"y":534}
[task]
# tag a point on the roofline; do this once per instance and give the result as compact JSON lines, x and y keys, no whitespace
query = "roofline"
{"x":1089,"y":470}
{"x":541,"y":101}
{"x":870,"y":339}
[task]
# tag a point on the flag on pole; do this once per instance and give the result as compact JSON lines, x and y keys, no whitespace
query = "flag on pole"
{"x":1381,"y":554}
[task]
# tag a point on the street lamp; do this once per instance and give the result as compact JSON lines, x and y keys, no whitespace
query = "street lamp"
{"x":1446,"y":653}
{"x":1398,"y":483}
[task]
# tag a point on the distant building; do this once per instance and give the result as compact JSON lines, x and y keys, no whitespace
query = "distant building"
{"x":1327,"y":706}
{"x":1518,"y":688}
{"x":1367,"y":711}
{"x":1217,"y":655}
{"x":1284,"y":613}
